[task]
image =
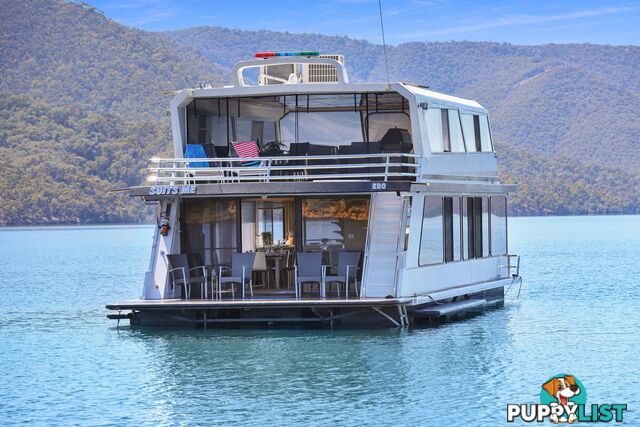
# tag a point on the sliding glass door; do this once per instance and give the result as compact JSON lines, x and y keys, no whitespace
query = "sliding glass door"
{"x":209,"y":232}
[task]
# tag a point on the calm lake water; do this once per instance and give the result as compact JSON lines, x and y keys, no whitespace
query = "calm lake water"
{"x":63,"y":363}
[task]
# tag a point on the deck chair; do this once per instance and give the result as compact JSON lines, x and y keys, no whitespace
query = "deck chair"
{"x":181,"y":275}
{"x":249,"y":168}
{"x":260,"y":266}
{"x":240,"y":273}
{"x":196,"y":151}
{"x":345,"y":271}
{"x":308,"y":269}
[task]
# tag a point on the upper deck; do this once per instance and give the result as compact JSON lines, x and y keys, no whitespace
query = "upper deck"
{"x":310,"y":131}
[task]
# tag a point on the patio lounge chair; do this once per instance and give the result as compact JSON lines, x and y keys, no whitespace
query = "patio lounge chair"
{"x":346,"y":270}
{"x":241,"y":267}
{"x":249,"y":168}
{"x":308,"y":269}
{"x":181,"y":275}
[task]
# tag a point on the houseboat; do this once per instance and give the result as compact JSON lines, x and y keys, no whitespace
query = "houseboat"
{"x":296,"y":196}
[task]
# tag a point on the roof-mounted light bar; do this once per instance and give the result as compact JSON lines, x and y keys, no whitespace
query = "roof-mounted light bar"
{"x":274,"y":54}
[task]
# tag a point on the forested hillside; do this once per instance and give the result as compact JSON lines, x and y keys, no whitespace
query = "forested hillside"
{"x":82,"y":108}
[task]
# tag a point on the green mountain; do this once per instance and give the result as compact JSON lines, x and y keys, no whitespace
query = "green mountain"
{"x":82,"y":108}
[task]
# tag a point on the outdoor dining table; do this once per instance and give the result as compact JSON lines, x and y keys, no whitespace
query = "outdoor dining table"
{"x":277,"y":257}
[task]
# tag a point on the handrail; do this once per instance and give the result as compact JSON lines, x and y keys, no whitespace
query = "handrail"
{"x":316,"y":157}
{"x":515,"y":276}
{"x":517,"y":266}
{"x":510,"y":266}
{"x":173,"y":171}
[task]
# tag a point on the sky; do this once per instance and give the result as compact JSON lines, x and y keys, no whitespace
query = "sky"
{"x":518,"y":21}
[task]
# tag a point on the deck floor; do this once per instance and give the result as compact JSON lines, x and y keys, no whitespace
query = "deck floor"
{"x":263,"y":301}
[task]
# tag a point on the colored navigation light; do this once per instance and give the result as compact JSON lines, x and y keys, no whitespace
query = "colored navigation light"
{"x":269,"y":54}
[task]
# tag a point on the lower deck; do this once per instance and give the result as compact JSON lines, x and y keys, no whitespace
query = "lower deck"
{"x":270,"y":309}
{"x":264,"y":302}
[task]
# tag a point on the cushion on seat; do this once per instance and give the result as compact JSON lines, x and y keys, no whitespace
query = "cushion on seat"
{"x":191,"y":280}
{"x":233,"y":279}
{"x":306,"y":279}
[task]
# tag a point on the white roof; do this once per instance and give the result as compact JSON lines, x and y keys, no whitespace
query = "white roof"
{"x":414,"y":93}
{"x":444,"y":99}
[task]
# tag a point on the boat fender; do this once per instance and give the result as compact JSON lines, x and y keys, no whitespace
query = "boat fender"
{"x":164,"y":226}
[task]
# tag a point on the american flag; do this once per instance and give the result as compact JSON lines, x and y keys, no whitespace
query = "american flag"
{"x":247,"y":149}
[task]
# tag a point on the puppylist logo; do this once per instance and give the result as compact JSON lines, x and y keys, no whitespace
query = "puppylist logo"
{"x":563,"y":399}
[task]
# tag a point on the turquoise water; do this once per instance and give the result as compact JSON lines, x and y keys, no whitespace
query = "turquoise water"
{"x":63,"y":363}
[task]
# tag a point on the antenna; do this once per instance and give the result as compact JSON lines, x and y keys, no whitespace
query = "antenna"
{"x":384,"y":44}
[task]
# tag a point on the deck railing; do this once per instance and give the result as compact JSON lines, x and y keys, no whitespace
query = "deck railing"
{"x":374,"y":167}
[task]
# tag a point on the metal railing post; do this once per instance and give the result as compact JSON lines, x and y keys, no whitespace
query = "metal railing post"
{"x":386,"y":168}
{"x":269,"y":170}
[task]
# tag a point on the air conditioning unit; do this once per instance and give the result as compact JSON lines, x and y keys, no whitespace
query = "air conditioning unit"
{"x":321,"y":73}
{"x":275,"y":74}
{"x":303,"y":73}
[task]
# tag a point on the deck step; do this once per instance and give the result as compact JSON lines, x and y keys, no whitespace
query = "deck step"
{"x":448,"y":308}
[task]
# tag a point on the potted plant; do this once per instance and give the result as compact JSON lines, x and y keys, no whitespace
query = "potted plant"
{"x":267,"y":238}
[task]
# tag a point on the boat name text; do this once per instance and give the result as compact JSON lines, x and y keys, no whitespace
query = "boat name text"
{"x":159,"y":190}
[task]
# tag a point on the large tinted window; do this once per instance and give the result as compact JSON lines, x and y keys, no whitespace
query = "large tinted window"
{"x":209,"y":230}
{"x":380,"y":123}
{"x":322,"y":128}
{"x":334,"y":223}
{"x":431,"y":240}
{"x":498,"y":226}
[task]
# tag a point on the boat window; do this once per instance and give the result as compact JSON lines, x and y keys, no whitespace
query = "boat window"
{"x":455,"y":132}
{"x":448,"y":228}
{"x":469,"y":132}
{"x":498,"y":225}
{"x":444,"y":130}
{"x":209,"y":230}
{"x":330,"y":224}
{"x":431,"y":240}
{"x":446,"y":142}
{"x":242,"y":130}
{"x":407,"y":229}
{"x":329,"y":128}
{"x":345,"y":122}
{"x":380,"y":123}
{"x":485,"y":134}
{"x":270,"y":225}
{"x":467,"y":227}
{"x":433,"y":118}
{"x":267,"y":222}
{"x":485,"y":227}
{"x":477,"y":223}
{"x":452,"y":232}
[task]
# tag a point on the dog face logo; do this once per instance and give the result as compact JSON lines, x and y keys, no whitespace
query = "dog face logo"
{"x":563,"y":391}
{"x":563,"y":399}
